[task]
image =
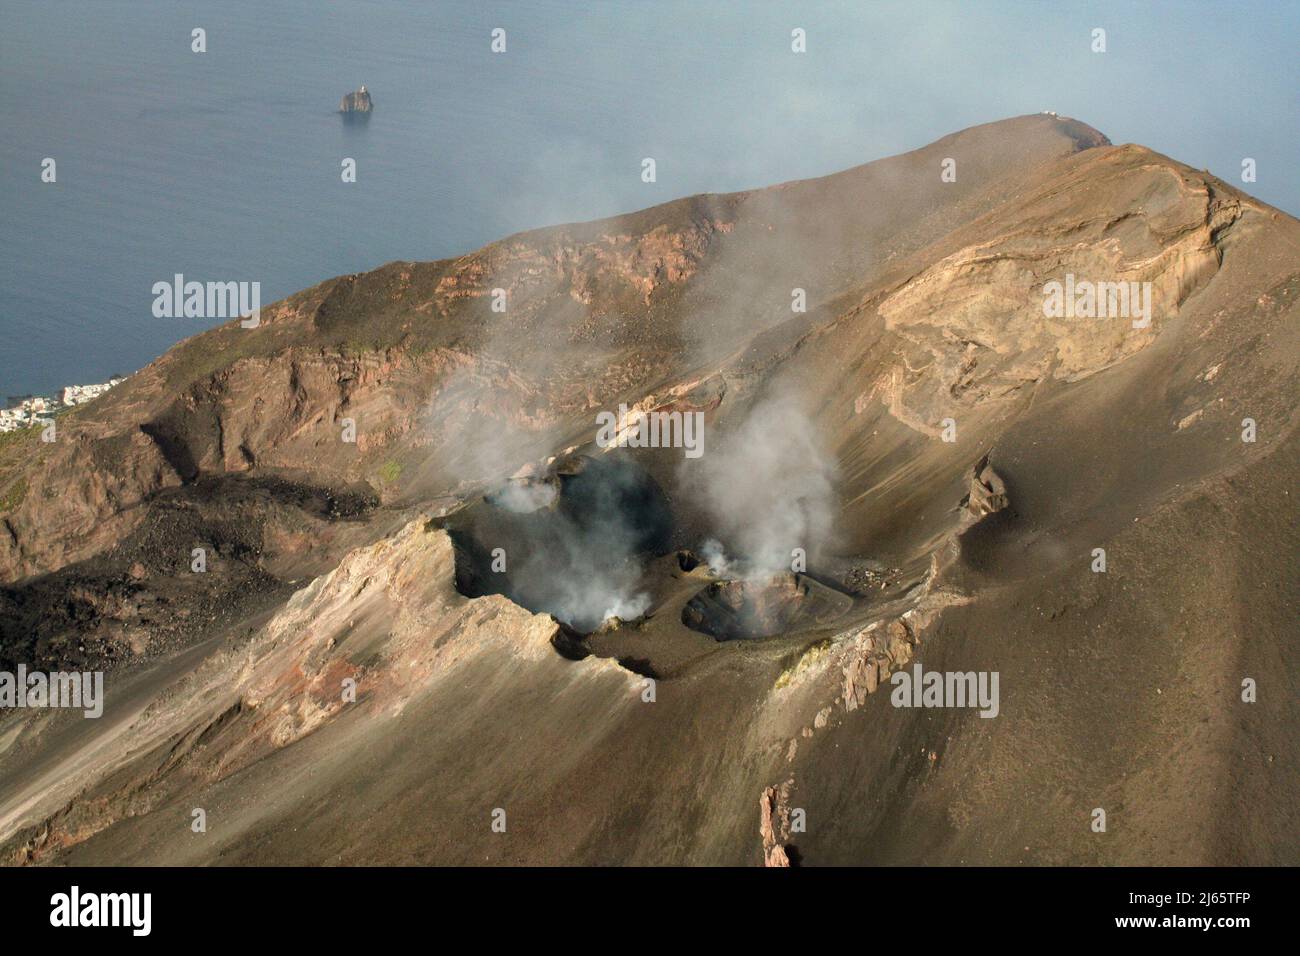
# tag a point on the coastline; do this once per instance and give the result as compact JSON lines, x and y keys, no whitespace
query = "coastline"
{"x":32,"y":410}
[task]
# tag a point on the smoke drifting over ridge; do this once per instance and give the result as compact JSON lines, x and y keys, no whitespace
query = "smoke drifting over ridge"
{"x":764,"y":491}
{"x":768,"y":488}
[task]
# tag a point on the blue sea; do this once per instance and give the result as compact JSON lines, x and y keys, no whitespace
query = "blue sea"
{"x":225,"y":165}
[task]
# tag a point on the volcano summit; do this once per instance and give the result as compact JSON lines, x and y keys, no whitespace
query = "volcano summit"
{"x":366,"y":587}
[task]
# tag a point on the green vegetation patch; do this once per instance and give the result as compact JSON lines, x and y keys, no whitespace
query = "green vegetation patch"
{"x":13,"y":495}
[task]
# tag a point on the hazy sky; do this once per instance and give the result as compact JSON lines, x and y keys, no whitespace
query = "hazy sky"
{"x":721,"y":101}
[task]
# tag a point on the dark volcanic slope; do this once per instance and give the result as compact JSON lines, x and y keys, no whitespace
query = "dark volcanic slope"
{"x":338,"y":561}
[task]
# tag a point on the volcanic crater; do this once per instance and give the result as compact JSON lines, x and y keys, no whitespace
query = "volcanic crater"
{"x":764,"y":606}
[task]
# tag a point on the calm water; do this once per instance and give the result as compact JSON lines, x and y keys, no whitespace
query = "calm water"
{"x":225,"y":165}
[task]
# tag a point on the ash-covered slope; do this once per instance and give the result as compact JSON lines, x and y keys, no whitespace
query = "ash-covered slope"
{"x":948,"y":456}
{"x":595,"y":311}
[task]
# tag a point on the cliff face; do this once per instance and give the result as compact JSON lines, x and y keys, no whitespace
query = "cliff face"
{"x":308,"y":456}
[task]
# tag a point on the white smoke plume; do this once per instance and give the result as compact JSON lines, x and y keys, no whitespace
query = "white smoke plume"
{"x":576,"y":541}
{"x":768,"y":486}
{"x":714,"y":555}
{"x":524,"y":497}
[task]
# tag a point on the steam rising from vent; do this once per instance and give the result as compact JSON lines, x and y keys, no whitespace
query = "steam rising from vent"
{"x":592,"y":570}
{"x":525,"y":497}
{"x":714,"y":555}
{"x":768,"y":487}
{"x":478,"y":422}
{"x":574,"y":543}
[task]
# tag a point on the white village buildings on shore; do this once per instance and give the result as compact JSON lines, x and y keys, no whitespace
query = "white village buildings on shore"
{"x":38,"y":410}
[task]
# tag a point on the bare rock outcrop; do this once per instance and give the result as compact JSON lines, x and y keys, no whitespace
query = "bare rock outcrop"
{"x":974,"y":321}
{"x":356,"y":102}
{"x":774,"y":823}
{"x":987,"y":494}
{"x":871,"y":656}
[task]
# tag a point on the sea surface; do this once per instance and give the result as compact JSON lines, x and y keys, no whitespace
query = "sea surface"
{"x":225,"y":165}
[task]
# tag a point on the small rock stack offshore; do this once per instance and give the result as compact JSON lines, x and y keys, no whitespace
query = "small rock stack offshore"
{"x":358,"y":102}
